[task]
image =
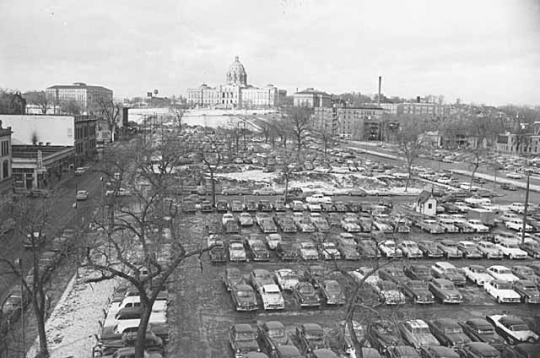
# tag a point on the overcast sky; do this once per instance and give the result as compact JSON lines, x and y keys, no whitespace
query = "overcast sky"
{"x":482,"y":51}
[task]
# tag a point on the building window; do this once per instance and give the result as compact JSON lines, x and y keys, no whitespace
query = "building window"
{"x":5,"y":169}
{"x":430,"y":206}
{"x":5,"y":148}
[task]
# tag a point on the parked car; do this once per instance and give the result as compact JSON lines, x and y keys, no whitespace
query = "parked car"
{"x":489,"y":250}
{"x":310,"y":337}
{"x":480,"y":330}
{"x":257,"y":249}
{"x":503,"y":273}
{"x":383,"y":334}
{"x":478,"y":350}
{"x":525,"y":273}
{"x":82,"y":195}
{"x":308,"y":251}
{"x":531,"y":247}
{"x":506,"y":186}
{"x":243,"y":298}
{"x":468,"y":250}
{"x":410,"y":249}
{"x":272,"y":240}
{"x":417,"y":272}
{"x":418,"y":291}
{"x":237,"y":253}
{"x":446,"y":270}
{"x":315,"y":274}
{"x":237,"y":206}
{"x":389,"y":293}
{"x":217,"y":253}
{"x":502,"y":291}
{"x":522,"y":350}
{"x":527,"y":290}
{"x":389,"y":249}
{"x":329,"y":251}
{"x":264,"y":191}
{"x":448,"y":332}
{"x":271,"y":297}
{"x":287,"y":251}
{"x":232,"y":277}
{"x":430,"y":249}
{"x":260,"y":277}
{"x":512,"y":328}
{"x":416,"y":333}
{"x":242,"y":339}
{"x":449,"y":249}
{"x":245,"y":219}
{"x":272,"y":334}
{"x":445,"y":291}
{"x":392,"y":274}
{"x":286,"y":279}
{"x":435,"y":351}
{"x":510,"y":249}
{"x":305,"y":295}
{"x":332,"y":293}
{"x":339,"y":338}
{"x":477,"y":274}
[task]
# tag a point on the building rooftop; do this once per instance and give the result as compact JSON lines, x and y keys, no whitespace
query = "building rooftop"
{"x":78,"y":85}
{"x":5,"y":131}
{"x":31,"y":151}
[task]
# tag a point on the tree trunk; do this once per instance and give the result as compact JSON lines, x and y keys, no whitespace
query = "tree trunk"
{"x":213,"y":188}
{"x":38,"y":303}
{"x":472,"y":176}
{"x":286,"y":187}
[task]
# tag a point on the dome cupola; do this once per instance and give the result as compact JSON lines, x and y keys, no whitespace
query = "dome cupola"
{"x":236,"y":75}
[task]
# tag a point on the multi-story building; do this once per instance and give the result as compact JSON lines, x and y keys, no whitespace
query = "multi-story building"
{"x":236,"y":93}
{"x":69,"y":131}
{"x":88,"y":97}
{"x":312,"y":98}
{"x":347,"y":122}
{"x":5,"y":161}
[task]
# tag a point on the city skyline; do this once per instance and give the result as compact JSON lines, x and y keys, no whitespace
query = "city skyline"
{"x":482,"y":52}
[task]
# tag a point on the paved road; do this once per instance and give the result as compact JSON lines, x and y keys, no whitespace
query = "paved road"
{"x":63,"y":215}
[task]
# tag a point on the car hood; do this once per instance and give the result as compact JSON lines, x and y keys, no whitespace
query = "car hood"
{"x":423,"y":339}
{"x":247,"y":346}
{"x":247,"y":300}
{"x":310,"y":251}
{"x":458,"y":338}
{"x":272,"y":298}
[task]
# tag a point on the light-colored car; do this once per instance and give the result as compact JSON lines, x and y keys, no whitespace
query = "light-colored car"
{"x":227,"y":217}
{"x":237,"y":251}
{"x":389,"y":249}
{"x":502,"y":273}
{"x":502,"y":291}
{"x":359,"y":274}
{"x":318,"y":199}
{"x":477,"y":225}
{"x":245,"y":219}
{"x":514,"y":175}
{"x":286,"y":279}
{"x":410,"y":249}
{"x":273,"y":240}
{"x":477,"y":274}
{"x":264,"y":191}
{"x":469,"y":250}
{"x":489,"y":250}
{"x":350,"y":224}
{"x":271,"y":297}
{"x":513,"y":329}
{"x":416,"y":332}
{"x":308,"y":251}
{"x":329,"y":251}
{"x":446,"y":270}
{"x":80,"y":171}
{"x":82,"y":195}
{"x":510,"y":249}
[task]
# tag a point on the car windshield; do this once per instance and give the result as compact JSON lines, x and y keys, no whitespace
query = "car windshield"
{"x":421,"y":270}
{"x":449,"y":243}
{"x":428,"y":244}
{"x":308,"y":246}
{"x":237,"y":247}
{"x":478,"y":269}
{"x":504,"y":286}
{"x":314,"y":335}
{"x":450,"y":270}
{"x":488,"y":245}
{"x":453,"y":329}
{"x":525,"y":271}
{"x":511,"y":245}
{"x":390,"y":244}
{"x":418,"y":285}
{"x":504,"y":272}
{"x":448,"y":287}
{"x":245,"y":294}
{"x":276,"y":332}
{"x":529,"y":288}
{"x":486,"y":330}
{"x":385,"y":329}
{"x":244,"y":336}
{"x":307,"y":289}
{"x":234,"y":274}
{"x":333,"y":286}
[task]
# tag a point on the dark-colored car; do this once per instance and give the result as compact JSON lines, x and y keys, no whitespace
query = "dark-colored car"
{"x":522,"y":350}
{"x":251,"y":206}
{"x":244,"y":298}
{"x":480,"y":330}
{"x":527,"y":290}
{"x":222,"y":206}
{"x":260,"y":277}
{"x":206,"y":207}
{"x":417,"y":291}
{"x":217,"y":253}
{"x":287,"y":251}
{"x":417,"y":272}
{"x":314,"y":274}
{"x":438,"y":352}
{"x":232,"y":277}
{"x":279,"y":205}
{"x":264,"y":205}
{"x":242,"y":339}
{"x":271,"y":334}
{"x":310,"y":337}
{"x":449,"y":332}
{"x":383,"y":334}
{"x":257,"y":250}
{"x":478,"y":350}
{"x":305,"y":295}
{"x":430,"y":249}
{"x":288,"y":351}
{"x":402,"y":352}
{"x":393,"y":274}
{"x":445,"y":291}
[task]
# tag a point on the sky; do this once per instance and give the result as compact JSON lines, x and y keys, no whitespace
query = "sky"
{"x":480,"y":51}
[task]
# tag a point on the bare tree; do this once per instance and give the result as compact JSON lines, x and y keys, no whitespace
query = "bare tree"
{"x":110,"y":112}
{"x":40,"y":99}
{"x":178,"y":114}
{"x":143,"y":241}
{"x":71,"y":107}
{"x":410,"y":142}
{"x":211,"y":157}
{"x":298,"y":122}
{"x":32,"y":218}
{"x":327,"y":138}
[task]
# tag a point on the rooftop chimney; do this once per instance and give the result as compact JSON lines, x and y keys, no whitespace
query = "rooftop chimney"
{"x":379,"y":96}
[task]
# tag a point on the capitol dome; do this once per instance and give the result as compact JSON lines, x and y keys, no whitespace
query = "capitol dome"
{"x":236,"y":75}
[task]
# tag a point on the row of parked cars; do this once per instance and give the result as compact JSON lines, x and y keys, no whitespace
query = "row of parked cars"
{"x":119,"y":326}
{"x":495,"y":336}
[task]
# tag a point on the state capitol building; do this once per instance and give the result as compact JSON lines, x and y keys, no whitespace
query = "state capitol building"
{"x":236,"y":93}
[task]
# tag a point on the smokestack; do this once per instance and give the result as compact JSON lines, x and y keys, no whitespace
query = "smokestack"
{"x":379,"y":97}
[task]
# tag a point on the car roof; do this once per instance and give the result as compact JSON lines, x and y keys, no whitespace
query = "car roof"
{"x":511,"y":320}
{"x":274,"y":324}
{"x":446,"y":321}
{"x":479,"y":322}
{"x":288,"y":350}
{"x":312,"y":327}
{"x":243,"y":327}
{"x":417,"y":323}
{"x":498,"y":267}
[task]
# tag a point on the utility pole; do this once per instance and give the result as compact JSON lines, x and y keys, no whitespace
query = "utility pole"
{"x":526,"y":207}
